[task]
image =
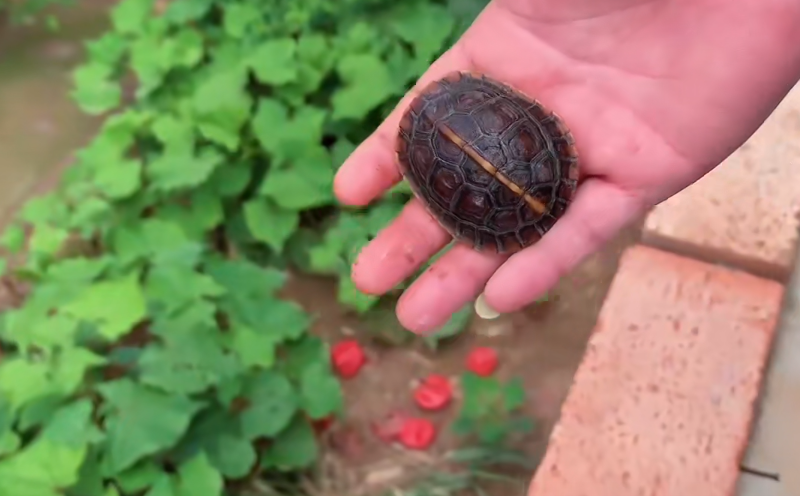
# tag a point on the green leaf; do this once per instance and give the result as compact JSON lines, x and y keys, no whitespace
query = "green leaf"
{"x":184,"y":11}
{"x":274,"y":61}
{"x":173,"y":287}
{"x":288,"y":138}
{"x":176,"y":134}
{"x":341,"y":245}
{"x":273,"y":403}
{"x":321,"y":393}
{"x":157,"y":239}
{"x":246,"y":278}
{"x":9,"y":442}
{"x":314,"y":49}
{"x":457,"y":323}
{"x":47,"y":240}
{"x":352,"y":297}
{"x":197,"y":477}
{"x":203,"y":213}
{"x":222,"y":106}
{"x":69,"y":367}
{"x":139,"y":477}
{"x":13,"y":238}
{"x":239,"y":18}
{"x":22,"y":381}
{"x":147,"y":62}
{"x":108,"y":49}
{"x":144,"y":421}
{"x":252,"y":348}
{"x":130,"y":16}
{"x":119,"y":179}
{"x":43,"y":468}
{"x":184,"y":49}
{"x":341,"y":151}
{"x":200,"y":316}
{"x":513,"y":394}
{"x":114,"y":305}
{"x":279,"y":319}
{"x":232,"y":456}
{"x":38,"y":411}
{"x":426,"y":26}
{"x":231,"y":179}
{"x":481,"y":395}
{"x":294,"y":448}
{"x":368,"y":83}
{"x":95,"y":92}
{"x":302,"y":354}
{"x":362,"y":37}
{"x":27,"y":328}
{"x":187,"y":364}
{"x":382,"y":214}
{"x":72,"y":425}
{"x":307,"y":184}
{"x":269,"y":223}
{"x":183,"y":170}
{"x":164,"y":486}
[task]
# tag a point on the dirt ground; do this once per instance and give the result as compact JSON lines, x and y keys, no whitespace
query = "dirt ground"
{"x":40,"y":128}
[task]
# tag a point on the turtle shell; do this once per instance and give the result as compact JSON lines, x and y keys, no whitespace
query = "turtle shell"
{"x":493,"y":166}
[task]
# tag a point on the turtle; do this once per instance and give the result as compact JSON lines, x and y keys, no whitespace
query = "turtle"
{"x":493,"y":166}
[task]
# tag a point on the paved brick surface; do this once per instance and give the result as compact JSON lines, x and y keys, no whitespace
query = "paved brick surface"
{"x":663,"y":400}
{"x":745,"y":212}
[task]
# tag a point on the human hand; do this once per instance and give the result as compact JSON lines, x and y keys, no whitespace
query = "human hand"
{"x":656,"y":94}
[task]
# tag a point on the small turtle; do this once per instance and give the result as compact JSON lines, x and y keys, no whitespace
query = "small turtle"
{"x":493,"y":166}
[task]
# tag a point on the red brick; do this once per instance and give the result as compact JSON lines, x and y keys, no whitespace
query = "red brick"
{"x":745,"y":212}
{"x":663,"y":401}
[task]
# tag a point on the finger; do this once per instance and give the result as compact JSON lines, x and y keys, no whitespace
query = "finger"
{"x":599,"y":211}
{"x":451,"y":282}
{"x":371,"y":169}
{"x":398,"y":250}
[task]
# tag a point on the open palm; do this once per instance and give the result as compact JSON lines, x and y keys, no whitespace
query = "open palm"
{"x":656,"y":93}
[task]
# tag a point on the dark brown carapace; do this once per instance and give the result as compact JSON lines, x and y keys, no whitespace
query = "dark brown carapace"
{"x":494,"y":167}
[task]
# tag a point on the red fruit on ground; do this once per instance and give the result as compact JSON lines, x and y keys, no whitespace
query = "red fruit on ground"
{"x":348,"y":357}
{"x":482,"y":361}
{"x":434,"y":393}
{"x":418,"y":433}
{"x":389,"y":428}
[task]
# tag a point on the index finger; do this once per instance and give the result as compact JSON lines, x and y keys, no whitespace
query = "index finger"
{"x":371,"y":169}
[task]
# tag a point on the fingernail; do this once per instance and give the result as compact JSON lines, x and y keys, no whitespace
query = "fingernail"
{"x":483,"y":309}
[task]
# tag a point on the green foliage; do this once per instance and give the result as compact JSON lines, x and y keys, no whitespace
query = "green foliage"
{"x":491,"y":410}
{"x":29,"y":11}
{"x":152,"y":354}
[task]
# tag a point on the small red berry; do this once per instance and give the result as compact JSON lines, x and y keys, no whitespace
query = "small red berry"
{"x":434,"y":393}
{"x":348,"y":358}
{"x":417,"y":433}
{"x":482,"y":361}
